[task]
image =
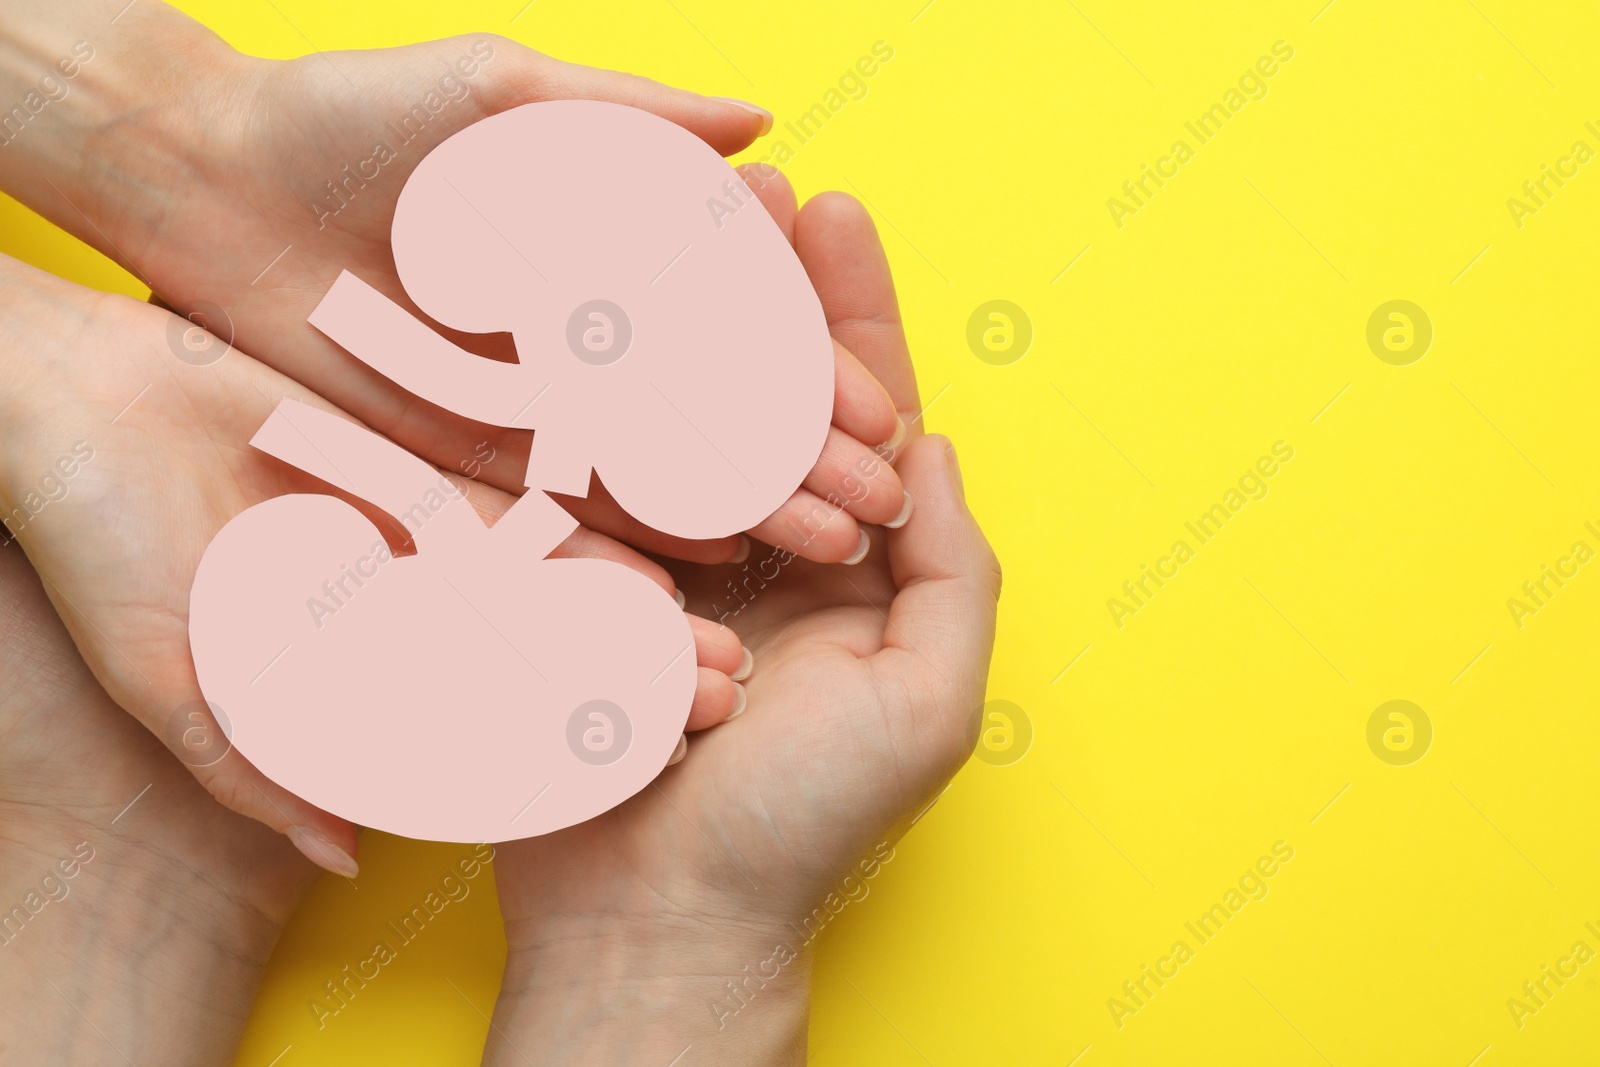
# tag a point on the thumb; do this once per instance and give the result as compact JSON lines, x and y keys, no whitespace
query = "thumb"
{"x":941,"y":626}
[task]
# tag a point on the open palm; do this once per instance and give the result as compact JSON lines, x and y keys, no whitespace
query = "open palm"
{"x":864,"y":701}
{"x":292,"y":174}
{"x":160,"y":461}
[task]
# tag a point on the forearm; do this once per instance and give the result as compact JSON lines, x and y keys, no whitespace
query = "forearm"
{"x":136,"y":914}
{"x":97,"y":108}
{"x":616,"y":1001}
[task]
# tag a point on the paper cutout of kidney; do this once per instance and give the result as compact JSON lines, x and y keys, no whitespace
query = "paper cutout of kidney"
{"x":668,"y":335}
{"x":474,"y":691}
{"x":669,"y":339}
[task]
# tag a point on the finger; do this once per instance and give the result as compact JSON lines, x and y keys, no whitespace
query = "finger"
{"x":862,"y":407}
{"x":600,"y":511}
{"x":717,"y":647}
{"x":816,"y":529}
{"x":941,"y":624}
{"x":849,"y":471}
{"x":726,"y":124}
{"x":717,"y":698}
{"x":586,"y":544}
{"x":775,"y":194}
{"x":324,"y":839}
{"x":839,"y":247}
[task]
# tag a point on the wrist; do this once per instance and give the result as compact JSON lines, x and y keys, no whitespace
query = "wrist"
{"x":645,"y":992}
{"x":104,"y":112}
{"x":84,"y":901}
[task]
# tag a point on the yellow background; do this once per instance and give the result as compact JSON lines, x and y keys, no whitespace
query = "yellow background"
{"x":1230,"y":712}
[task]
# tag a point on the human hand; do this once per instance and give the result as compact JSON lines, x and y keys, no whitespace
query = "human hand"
{"x":118,"y":465}
{"x":127,"y":895}
{"x":239,"y":188}
{"x":681,"y":918}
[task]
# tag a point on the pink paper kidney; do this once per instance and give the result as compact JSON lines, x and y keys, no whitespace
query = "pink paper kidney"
{"x":473,"y":691}
{"x":668,"y":336}
{"x":669,"y":339}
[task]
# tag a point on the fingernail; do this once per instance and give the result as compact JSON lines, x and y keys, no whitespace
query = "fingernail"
{"x":681,"y":751}
{"x":746,"y":665}
{"x":899,"y":437}
{"x":763,"y":113}
{"x":902,"y":518}
{"x":323,"y":852}
{"x":740,"y":699}
{"x":955,"y":470}
{"x":741,"y":553}
{"x":683,"y":601}
{"x":862,"y":548}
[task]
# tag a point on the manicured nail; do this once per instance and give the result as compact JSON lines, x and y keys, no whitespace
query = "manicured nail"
{"x":862,"y":548}
{"x":323,"y":852}
{"x":746,"y":665}
{"x":683,"y":601}
{"x":740,"y":699}
{"x":681,"y":751}
{"x":899,"y":437}
{"x":763,"y":113}
{"x":955,"y":470}
{"x":902,"y":518}
{"x":741,"y":553}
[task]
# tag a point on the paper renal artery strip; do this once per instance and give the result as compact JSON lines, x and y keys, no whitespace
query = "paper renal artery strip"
{"x":478,"y":690}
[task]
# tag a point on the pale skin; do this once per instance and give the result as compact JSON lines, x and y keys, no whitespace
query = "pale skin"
{"x":622,"y":931}
{"x":118,"y":541}
{"x":151,"y":950}
{"x":195,"y":167}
